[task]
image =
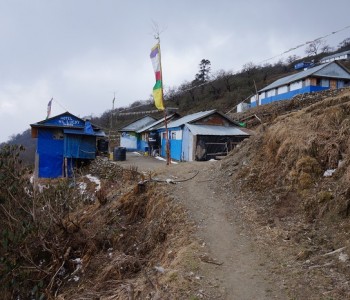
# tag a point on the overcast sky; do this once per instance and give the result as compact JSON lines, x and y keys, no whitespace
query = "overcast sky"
{"x":82,"y":51}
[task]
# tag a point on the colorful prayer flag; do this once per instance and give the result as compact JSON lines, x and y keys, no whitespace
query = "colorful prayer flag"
{"x":49,"y":108}
{"x":158,"y":87}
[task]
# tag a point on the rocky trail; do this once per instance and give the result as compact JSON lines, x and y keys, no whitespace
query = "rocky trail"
{"x":231,"y":265}
{"x":243,"y":272}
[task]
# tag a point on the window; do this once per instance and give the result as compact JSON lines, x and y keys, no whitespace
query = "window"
{"x":57,"y":135}
{"x":325,"y":82}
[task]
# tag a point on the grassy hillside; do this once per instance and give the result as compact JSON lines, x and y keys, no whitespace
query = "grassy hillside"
{"x":291,"y":182}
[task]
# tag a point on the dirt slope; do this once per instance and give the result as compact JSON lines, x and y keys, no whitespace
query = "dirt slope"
{"x":290,"y":182}
{"x":227,"y":257}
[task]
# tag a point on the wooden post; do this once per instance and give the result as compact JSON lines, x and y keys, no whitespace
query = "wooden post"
{"x":256,"y":94}
{"x":167,"y":146}
{"x":66,"y":167}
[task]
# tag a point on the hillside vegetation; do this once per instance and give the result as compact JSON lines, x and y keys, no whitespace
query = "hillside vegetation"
{"x":291,"y":182}
{"x":110,"y":232}
{"x":222,"y":91}
{"x":103,"y":235}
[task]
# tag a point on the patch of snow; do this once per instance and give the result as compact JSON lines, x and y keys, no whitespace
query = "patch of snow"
{"x":212,"y":159}
{"x":41,"y":187}
{"x":82,"y":187}
{"x":160,"y":158}
{"x":75,"y":278}
{"x":329,"y":173}
{"x":343,"y":257}
{"x":159,"y":269}
{"x":77,"y":260}
{"x":137,"y":153}
{"x":95,"y":180}
{"x":163,"y":159}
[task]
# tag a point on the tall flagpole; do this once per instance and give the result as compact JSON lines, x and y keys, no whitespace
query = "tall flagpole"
{"x":111,"y":126}
{"x":167,"y":146}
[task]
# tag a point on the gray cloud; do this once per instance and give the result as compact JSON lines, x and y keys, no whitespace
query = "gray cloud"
{"x":81,"y":51}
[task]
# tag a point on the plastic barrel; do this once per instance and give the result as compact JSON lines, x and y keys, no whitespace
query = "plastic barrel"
{"x":119,"y":153}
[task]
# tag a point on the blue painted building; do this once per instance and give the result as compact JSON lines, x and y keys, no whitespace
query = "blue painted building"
{"x":63,"y":142}
{"x":201,"y":136}
{"x":326,"y":76}
{"x":129,"y":136}
{"x":345,"y":55}
{"x":148,"y":137}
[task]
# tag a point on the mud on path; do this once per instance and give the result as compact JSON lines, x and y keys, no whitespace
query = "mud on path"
{"x":231,"y":266}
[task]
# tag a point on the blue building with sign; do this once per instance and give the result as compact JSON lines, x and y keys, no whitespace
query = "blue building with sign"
{"x":64,"y":141}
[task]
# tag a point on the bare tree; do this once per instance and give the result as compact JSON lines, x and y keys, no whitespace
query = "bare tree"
{"x":344,"y":45}
{"x":292,"y":58}
{"x":249,"y":68}
{"x":225,"y":77}
{"x":317,"y":46}
{"x":327,"y":49}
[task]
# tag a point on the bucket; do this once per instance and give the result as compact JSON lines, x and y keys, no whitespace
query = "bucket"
{"x":119,"y":153}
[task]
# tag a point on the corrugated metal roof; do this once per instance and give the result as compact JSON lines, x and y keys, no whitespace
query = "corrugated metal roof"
{"x":215,"y":130}
{"x":154,"y":124}
{"x":294,"y":77}
{"x":138,"y":124}
{"x":335,"y":55}
{"x":190,"y":118}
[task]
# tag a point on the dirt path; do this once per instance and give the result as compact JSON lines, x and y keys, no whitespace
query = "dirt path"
{"x":240,"y":270}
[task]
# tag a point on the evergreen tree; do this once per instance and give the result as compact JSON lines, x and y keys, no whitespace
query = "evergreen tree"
{"x":204,"y":70}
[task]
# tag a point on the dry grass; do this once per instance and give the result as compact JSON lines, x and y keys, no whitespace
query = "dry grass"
{"x":279,"y":187}
{"x":124,"y":239}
